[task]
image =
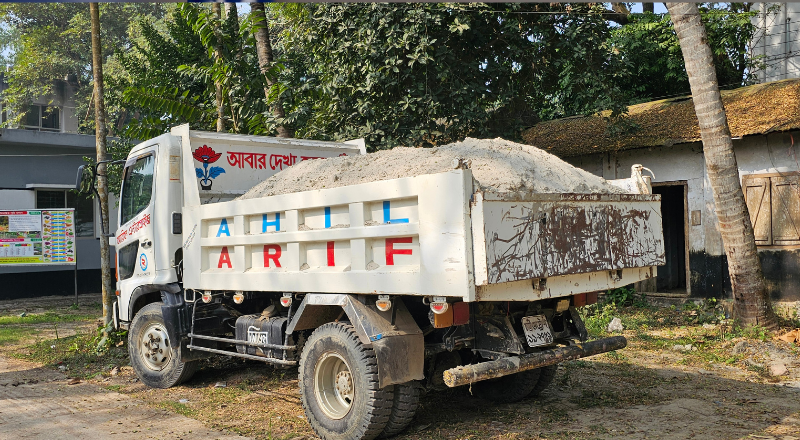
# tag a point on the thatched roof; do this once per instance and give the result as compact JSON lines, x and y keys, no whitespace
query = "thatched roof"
{"x":757,"y":109}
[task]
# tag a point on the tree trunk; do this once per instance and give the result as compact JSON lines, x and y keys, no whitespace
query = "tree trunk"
{"x":102,"y":182}
{"x":648,"y":7}
{"x":264,"y":51}
{"x":216,"y":9}
{"x":231,"y":11}
{"x":751,"y":301}
{"x":232,"y":18}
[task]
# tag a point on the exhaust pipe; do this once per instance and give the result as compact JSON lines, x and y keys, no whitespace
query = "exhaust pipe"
{"x":467,"y":374}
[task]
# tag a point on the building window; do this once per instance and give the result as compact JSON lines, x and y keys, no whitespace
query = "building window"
{"x":42,"y":118}
{"x":774,"y":204}
{"x":46,"y":199}
{"x":84,"y":208}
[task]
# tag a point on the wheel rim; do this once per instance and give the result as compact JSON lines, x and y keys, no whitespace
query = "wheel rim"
{"x":155,"y":348}
{"x":333,"y":385}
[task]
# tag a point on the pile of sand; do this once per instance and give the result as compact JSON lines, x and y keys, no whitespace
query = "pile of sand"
{"x":497,"y":166}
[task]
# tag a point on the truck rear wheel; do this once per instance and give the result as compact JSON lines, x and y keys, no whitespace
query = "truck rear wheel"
{"x":404,"y":406}
{"x":339,"y":389}
{"x":154,"y":358}
{"x":546,"y":376}
{"x":507,"y":389}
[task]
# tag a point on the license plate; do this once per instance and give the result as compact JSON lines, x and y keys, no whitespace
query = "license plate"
{"x":537,"y":331}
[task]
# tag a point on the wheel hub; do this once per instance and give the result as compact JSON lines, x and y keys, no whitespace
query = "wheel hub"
{"x":344,"y":383}
{"x":155,"y":347}
{"x":333,"y":385}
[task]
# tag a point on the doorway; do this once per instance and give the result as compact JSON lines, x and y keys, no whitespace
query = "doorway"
{"x":671,"y":277}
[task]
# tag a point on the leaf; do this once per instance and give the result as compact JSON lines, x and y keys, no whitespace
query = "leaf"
{"x":213,"y":172}
{"x":199,"y":172}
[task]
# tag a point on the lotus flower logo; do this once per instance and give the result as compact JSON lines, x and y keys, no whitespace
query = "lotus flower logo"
{"x":207,"y":155}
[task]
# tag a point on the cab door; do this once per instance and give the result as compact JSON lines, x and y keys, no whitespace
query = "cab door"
{"x":136,"y":263}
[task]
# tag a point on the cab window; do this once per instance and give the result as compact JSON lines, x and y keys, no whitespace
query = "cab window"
{"x":137,"y":188}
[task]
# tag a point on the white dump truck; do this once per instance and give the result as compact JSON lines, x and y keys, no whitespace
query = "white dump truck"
{"x":373,"y":291}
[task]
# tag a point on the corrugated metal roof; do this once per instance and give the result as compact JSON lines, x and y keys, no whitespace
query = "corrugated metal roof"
{"x":757,"y":109}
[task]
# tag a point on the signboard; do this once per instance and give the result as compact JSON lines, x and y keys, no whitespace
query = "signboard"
{"x":34,"y":237}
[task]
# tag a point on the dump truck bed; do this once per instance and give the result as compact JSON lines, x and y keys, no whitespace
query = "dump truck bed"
{"x":428,"y":235}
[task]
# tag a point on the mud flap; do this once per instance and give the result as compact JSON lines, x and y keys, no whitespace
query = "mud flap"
{"x":175,"y":315}
{"x":394,"y":336}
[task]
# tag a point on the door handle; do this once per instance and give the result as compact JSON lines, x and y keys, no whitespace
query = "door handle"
{"x":146,"y":244}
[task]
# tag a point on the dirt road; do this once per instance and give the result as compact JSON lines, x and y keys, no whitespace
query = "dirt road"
{"x":38,"y":403}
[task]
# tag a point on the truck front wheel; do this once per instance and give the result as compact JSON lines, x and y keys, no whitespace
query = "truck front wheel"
{"x":339,"y":389}
{"x":154,"y":358}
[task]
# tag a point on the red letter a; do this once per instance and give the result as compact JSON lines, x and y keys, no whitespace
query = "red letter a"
{"x":224,"y":258}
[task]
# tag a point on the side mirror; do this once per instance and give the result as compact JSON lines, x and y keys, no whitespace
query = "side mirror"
{"x":85,"y":180}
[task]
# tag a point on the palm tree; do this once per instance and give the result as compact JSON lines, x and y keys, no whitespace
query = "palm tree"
{"x":265,"y":60}
{"x":751,"y":301}
{"x":102,"y":182}
{"x":216,"y":10}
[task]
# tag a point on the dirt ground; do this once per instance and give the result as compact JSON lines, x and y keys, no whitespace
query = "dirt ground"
{"x":719,"y":387}
{"x":40,"y":403}
{"x":37,"y":402}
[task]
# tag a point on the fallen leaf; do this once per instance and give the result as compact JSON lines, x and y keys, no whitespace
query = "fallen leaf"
{"x":74,"y":381}
{"x":790,"y":337}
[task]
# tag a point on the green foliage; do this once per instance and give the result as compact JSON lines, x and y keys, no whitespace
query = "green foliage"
{"x":625,"y":296}
{"x":651,"y":48}
{"x":708,"y":311}
{"x":596,"y":317}
{"x":752,"y":332}
{"x":396,"y":74}
{"x":427,"y":74}
{"x":51,"y":41}
{"x":115,"y":338}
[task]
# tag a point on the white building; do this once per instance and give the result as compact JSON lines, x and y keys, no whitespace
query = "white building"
{"x":39,"y":160}
{"x":765,"y":124}
{"x":777,"y":41}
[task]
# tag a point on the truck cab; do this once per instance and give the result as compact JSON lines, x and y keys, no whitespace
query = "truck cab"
{"x":150,"y":198}
{"x":148,"y":241}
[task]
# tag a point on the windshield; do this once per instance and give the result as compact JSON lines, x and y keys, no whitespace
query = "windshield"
{"x":137,"y":188}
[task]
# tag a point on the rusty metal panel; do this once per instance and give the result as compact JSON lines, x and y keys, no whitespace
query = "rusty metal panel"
{"x":552,"y":235}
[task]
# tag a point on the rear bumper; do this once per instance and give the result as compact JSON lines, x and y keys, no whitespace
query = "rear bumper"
{"x":466,"y":374}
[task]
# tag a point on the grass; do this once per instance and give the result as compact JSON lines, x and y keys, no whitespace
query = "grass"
{"x":12,"y":335}
{"x":15,"y":329}
{"x":44,"y":318}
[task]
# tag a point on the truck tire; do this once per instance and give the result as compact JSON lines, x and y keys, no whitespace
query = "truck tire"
{"x":338,"y":379}
{"x":154,"y":358}
{"x":546,"y":376}
{"x":507,"y":389}
{"x":404,"y":406}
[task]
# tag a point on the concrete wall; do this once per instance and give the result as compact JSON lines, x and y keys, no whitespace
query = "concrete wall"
{"x":777,"y":152}
{"x":12,"y":199}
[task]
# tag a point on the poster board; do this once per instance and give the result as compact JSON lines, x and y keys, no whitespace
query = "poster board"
{"x":37,"y":237}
